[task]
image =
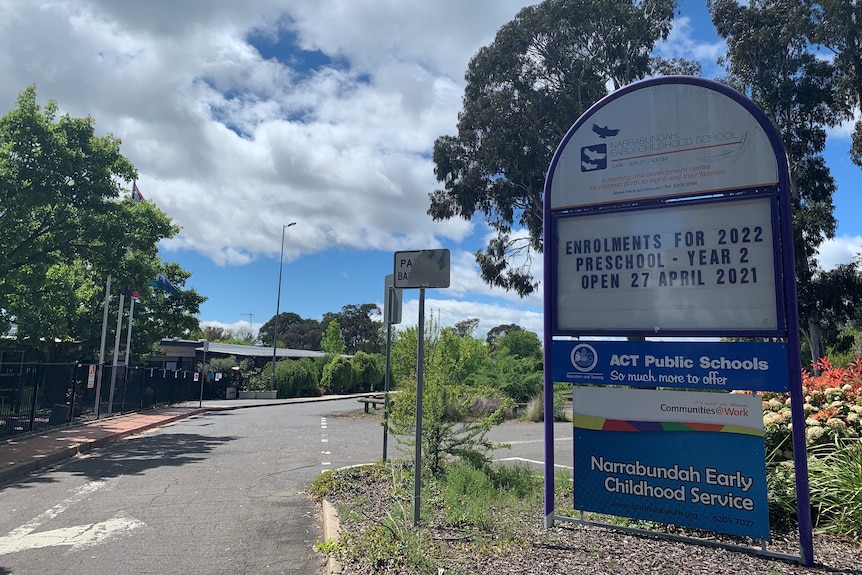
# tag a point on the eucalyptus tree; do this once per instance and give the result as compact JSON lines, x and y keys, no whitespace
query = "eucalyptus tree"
{"x":771,"y":58}
{"x":524,"y":91}
{"x":839,"y":28}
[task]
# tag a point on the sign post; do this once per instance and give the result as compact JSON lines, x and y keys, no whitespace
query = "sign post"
{"x":667,"y":213}
{"x":392,"y":314}
{"x":420,"y":269}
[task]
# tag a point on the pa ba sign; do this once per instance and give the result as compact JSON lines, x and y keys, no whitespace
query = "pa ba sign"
{"x":422,"y":269}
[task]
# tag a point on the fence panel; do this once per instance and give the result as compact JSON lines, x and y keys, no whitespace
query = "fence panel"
{"x":34,"y":396}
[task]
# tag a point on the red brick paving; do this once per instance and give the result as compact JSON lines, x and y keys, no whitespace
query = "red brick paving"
{"x":19,"y":456}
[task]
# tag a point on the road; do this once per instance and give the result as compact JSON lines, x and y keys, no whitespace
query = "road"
{"x":221,"y":493}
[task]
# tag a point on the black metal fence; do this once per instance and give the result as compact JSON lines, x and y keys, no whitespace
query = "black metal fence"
{"x":35,"y":396}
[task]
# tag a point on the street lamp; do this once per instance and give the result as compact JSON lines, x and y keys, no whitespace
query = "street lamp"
{"x":278,"y":301}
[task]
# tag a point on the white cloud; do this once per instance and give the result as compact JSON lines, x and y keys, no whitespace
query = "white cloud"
{"x":681,"y":43}
{"x":844,"y":130}
{"x":840,"y":250}
{"x":449,"y":312}
{"x":230,"y":144}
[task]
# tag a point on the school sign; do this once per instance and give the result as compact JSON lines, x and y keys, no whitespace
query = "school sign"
{"x":667,"y":214}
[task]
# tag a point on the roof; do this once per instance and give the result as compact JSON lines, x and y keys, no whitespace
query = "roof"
{"x":258,"y":351}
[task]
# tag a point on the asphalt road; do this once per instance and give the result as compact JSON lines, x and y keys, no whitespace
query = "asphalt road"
{"x":221,"y":493}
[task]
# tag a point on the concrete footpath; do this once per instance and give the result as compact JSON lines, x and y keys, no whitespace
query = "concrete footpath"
{"x":23,"y":454}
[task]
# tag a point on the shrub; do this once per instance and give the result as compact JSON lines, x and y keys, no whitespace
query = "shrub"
{"x":296,"y":378}
{"x":835,"y":477}
{"x":449,"y":429}
{"x":832,"y":407}
{"x":337,"y":376}
{"x":367,"y":372}
{"x":535,"y":409}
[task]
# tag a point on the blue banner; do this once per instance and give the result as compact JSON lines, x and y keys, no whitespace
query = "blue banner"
{"x":682,"y":458}
{"x":751,"y":366}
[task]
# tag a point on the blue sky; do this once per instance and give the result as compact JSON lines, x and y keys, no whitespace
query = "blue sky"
{"x":245,"y":116}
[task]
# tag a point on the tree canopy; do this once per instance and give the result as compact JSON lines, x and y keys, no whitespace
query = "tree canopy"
{"x":554,"y":60}
{"x":524,"y":91}
{"x":773,"y":59}
{"x":65,"y":226}
{"x":360,"y":331}
{"x":839,"y":28}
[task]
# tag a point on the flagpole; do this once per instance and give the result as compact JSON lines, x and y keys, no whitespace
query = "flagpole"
{"x":116,"y":351}
{"x":102,"y":348}
{"x":128,"y":347}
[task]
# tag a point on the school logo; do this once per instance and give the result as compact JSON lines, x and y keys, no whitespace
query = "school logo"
{"x":584,"y":357}
{"x":594,"y":157}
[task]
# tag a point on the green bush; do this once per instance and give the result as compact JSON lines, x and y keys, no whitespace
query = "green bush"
{"x":297,"y":378}
{"x":468,"y":496}
{"x":835,"y":477}
{"x":337,"y":376}
{"x":449,"y":429}
{"x":535,"y":410}
{"x":367,"y":372}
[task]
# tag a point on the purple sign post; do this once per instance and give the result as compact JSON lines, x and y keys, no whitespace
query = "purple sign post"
{"x":667,"y":213}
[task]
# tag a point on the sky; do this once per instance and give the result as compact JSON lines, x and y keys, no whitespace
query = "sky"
{"x":243,"y":117}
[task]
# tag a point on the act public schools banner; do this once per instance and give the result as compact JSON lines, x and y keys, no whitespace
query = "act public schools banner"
{"x":693,"y":459}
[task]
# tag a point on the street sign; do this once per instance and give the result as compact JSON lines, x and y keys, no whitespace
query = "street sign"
{"x":391,"y":301}
{"x":422,"y":269}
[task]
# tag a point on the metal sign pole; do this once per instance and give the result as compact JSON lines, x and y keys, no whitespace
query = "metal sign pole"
{"x":420,"y":360}
{"x":386,"y":378}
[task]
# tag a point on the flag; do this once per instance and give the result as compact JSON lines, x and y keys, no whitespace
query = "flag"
{"x":136,"y":193}
{"x":163,"y":283}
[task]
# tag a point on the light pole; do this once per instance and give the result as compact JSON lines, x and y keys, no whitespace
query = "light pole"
{"x":278,"y":301}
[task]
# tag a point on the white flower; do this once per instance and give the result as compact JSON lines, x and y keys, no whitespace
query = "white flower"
{"x":835,"y":424}
{"x":775,"y":403}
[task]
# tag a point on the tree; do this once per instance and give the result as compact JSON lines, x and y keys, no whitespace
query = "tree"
{"x":498,"y":332}
{"x":297,"y":378}
{"x":450,"y":425}
{"x":216,"y":333}
{"x":521,"y":344}
{"x":524,"y":91}
{"x":839,"y":28}
{"x":57,"y":179}
{"x":771,"y":60}
{"x":838,"y":293}
{"x":63,"y":230}
{"x":466,"y":327}
{"x":359,"y":331}
{"x":305,"y":334}
{"x":332,"y":342}
{"x":285,"y":321}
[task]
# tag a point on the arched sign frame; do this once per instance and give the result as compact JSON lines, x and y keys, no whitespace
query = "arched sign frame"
{"x":626,"y":185}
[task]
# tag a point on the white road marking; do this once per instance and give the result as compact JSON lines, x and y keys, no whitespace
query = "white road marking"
{"x":78,"y":537}
{"x":526,"y":441}
{"x":79,"y":495}
{"x":324,"y":439}
{"x":533,"y":461}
